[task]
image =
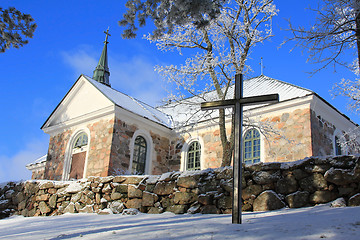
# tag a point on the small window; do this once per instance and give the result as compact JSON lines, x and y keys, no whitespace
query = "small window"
{"x":82,"y":140}
{"x":252,"y":146}
{"x":193,"y":156}
{"x":139,"y":157}
{"x":338,"y":150}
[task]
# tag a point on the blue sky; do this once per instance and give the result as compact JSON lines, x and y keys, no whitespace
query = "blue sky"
{"x":68,"y":42}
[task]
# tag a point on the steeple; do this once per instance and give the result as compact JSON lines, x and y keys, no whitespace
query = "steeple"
{"x":101,"y":72}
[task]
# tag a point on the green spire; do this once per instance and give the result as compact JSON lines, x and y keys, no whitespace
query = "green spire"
{"x":101,"y":73}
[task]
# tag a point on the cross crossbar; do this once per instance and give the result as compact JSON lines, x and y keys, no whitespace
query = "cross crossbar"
{"x":270,"y":98}
{"x":237,"y":103}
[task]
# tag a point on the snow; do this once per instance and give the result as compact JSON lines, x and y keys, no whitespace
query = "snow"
{"x":303,"y":223}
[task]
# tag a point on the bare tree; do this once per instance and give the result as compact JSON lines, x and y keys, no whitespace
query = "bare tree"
{"x":15,"y":27}
{"x":219,"y":51}
{"x":335,"y":31}
{"x":166,"y":14}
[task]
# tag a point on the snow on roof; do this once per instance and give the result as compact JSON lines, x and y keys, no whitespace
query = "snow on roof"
{"x":188,"y":110}
{"x":38,"y":161}
{"x":131,"y":104}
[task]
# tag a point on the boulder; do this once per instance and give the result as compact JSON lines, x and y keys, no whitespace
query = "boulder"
{"x":286,"y":185}
{"x":116,"y":207}
{"x":46,"y":185}
{"x":210,"y":209}
{"x":177,"y":209}
{"x":354,"y":200}
{"x":251,"y":190}
{"x":184,"y":198}
{"x":149,"y":199}
{"x":266,"y":177}
{"x":340,"y":202}
{"x":339,"y":176}
{"x":134,"y":203}
{"x":322,"y":197}
{"x":52,"y":201}
{"x":155,"y":210}
{"x":44,"y":208}
{"x":164,"y":188}
{"x":134,"y":192}
{"x":313,"y":183}
{"x":268,"y":200}
{"x":225,"y":202}
{"x":115,"y":196}
{"x":297,"y":199}
{"x":187,"y":181}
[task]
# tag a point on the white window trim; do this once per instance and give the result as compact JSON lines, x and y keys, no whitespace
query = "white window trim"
{"x":149,"y":150}
{"x":184,"y":153}
{"x":69,"y":152}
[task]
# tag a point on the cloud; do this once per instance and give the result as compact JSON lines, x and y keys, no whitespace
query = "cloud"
{"x":134,"y":76}
{"x":12,"y":168}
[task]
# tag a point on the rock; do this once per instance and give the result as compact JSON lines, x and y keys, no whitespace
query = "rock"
{"x":297,"y":199}
{"x":134,"y":192}
{"x":225,"y":173}
{"x":115,"y":196}
{"x":225,"y":202}
{"x":116,"y":207}
{"x":74,"y":187}
{"x":76,"y":197}
{"x":52,"y":201}
{"x":227,"y":185}
{"x":354,"y":200}
{"x":322,"y":197}
{"x":286,"y":185}
{"x":251,"y":190}
{"x":106,"y":179}
{"x":70,"y":208}
{"x":155,"y":210}
{"x":268,"y":200}
{"x":119,"y":179}
{"x":184,"y":198}
{"x":43,"y":197}
{"x":187,"y":182}
{"x":105,"y":211}
{"x":339,"y":176}
{"x":265,"y":177}
{"x":210,"y":209}
{"x":194,"y":209}
{"x":134,"y":203}
{"x":299,"y":174}
{"x":340,"y":202}
{"x":152,"y":179}
{"x":130,"y":211}
{"x":46,"y":185}
{"x":122,"y":188}
{"x":177,"y":209}
{"x":149,"y":199}
{"x":87,"y":209}
{"x":107,"y":188}
{"x":19,"y":197}
{"x":164,"y":188}
{"x":313,"y":183}
{"x":135,"y":180}
{"x":44,"y":208}
{"x":205,"y":199}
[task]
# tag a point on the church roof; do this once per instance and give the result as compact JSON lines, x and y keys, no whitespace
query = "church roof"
{"x":261,"y":85}
{"x":131,"y":104}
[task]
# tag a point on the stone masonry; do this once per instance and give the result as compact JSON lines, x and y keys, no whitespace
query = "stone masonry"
{"x":265,"y":186}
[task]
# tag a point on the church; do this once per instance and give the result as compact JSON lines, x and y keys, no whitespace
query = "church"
{"x":96,"y":130}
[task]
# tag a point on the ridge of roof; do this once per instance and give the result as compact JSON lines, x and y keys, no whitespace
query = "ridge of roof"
{"x":153,"y":114}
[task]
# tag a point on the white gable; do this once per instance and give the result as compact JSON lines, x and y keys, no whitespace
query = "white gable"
{"x":82,"y":99}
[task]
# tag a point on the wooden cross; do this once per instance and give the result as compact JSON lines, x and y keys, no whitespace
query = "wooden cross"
{"x":238,"y":103}
{"x":107,"y":34}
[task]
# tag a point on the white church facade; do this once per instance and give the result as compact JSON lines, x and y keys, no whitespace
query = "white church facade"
{"x":98,"y":131}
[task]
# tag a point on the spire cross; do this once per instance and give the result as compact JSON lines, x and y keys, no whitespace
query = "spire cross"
{"x":107,"y":34}
{"x":238,"y":103}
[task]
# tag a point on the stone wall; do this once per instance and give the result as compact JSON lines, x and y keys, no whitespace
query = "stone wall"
{"x":266,"y":186}
{"x":56,"y":155}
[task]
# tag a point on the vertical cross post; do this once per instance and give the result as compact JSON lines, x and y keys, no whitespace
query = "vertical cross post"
{"x":237,"y":160}
{"x":237,"y":103}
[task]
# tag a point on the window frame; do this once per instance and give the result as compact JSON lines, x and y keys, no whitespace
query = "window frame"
{"x":139,"y":156}
{"x":196,"y":153}
{"x":254,"y":148}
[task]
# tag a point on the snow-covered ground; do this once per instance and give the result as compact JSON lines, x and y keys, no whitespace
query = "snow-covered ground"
{"x":305,"y":223}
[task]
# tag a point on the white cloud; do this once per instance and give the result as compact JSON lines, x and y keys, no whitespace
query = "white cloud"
{"x":134,"y":76}
{"x":12,"y":168}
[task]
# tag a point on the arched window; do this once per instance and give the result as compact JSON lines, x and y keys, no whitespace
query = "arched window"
{"x":337,"y":146}
{"x":78,"y":157}
{"x":82,"y":140}
{"x":139,"y":157}
{"x":252,"y":146}
{"x":193,"y":156}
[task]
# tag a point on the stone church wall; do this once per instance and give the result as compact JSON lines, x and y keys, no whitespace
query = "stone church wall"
{"x":56,"y":155}
{"x":265,"y":186}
